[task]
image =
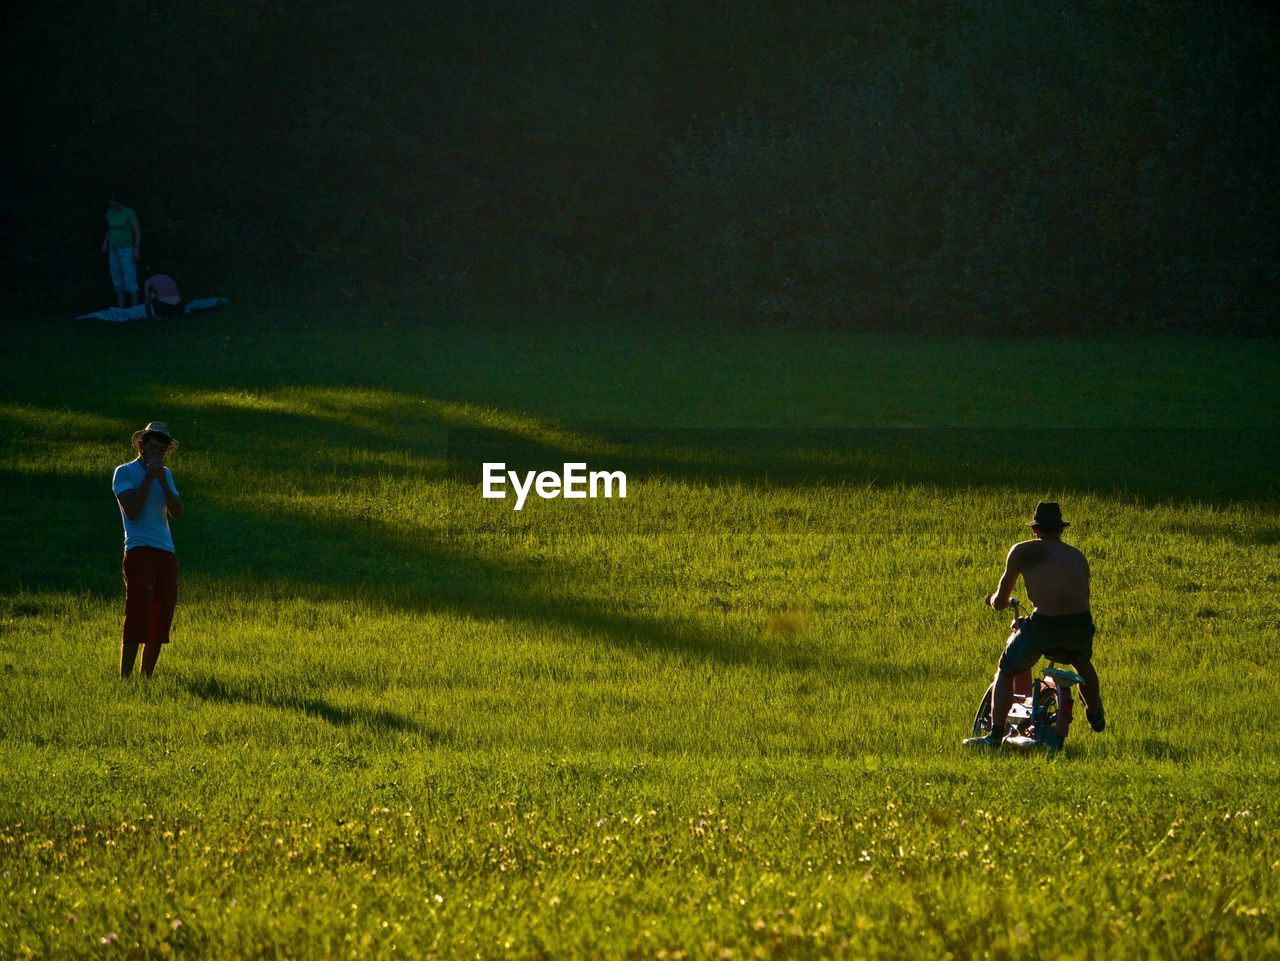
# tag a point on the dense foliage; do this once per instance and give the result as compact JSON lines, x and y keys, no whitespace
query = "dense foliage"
{"x":984,"y":166}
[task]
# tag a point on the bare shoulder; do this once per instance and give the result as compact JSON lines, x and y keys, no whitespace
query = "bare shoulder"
{"x":1024,"y":555}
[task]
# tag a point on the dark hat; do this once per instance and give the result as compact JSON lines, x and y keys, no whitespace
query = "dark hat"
{"x":1049,"y":516}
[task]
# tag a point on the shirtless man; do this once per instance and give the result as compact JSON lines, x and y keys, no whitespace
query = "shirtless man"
{"x":1056,"y":577}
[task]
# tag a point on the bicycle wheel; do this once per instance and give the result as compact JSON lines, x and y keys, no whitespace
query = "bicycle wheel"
{"x":982,"y":719}
{"x":1047,"y":702}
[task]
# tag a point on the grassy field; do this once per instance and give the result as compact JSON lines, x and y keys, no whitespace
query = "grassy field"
{"x":720,"y":718}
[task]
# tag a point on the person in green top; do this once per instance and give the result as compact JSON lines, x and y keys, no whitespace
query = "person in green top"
{"x":123,"y":247}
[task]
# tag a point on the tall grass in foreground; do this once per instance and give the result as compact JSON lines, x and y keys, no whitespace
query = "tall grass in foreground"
{"x":717,"y":719}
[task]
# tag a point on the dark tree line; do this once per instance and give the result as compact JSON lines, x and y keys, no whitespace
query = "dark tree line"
{"x":986,"y":165}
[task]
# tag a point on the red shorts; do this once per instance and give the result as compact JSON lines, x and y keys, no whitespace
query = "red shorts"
{"x":150,"y":595}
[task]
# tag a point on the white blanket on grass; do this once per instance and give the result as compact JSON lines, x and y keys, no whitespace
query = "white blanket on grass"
{"x":120,"y":314}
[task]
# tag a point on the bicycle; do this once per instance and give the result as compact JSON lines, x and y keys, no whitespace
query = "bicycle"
{"x":1034,"y":722}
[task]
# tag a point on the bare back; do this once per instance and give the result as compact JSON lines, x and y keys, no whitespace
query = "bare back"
{"x":1055,"y":574}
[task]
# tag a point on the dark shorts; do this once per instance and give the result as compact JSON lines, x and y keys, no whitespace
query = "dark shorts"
{"x":161,"y":309}
{"x":1067,"y":639}
{"x":150,"y":595}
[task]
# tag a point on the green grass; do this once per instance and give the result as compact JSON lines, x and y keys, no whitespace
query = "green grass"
{"x":720,"y":718}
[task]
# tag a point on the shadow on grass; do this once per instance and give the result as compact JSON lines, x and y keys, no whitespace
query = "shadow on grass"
{"x":79,"y":544}
{"x":340,"y":559}
{"x":418,"y":568}
{"x":1158,"y":749}
{"x":295,"y":435}
{"x":335,"y":558}
{"x":1149,"y":466}
{"x":216,"y":690}
{"x":1264,"y":535}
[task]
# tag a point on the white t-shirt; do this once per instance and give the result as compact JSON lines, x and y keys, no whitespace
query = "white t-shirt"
{"x":151,"y":527}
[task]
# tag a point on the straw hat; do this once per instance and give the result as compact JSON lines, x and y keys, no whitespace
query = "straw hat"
{"x":155,"y":427}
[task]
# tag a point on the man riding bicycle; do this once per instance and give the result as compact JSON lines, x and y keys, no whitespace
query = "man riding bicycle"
{"x":1056,"y":577}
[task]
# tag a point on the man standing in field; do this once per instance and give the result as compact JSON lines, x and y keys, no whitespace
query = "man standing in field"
{"x":147,"y":497}
{"x":1056,"y":577}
